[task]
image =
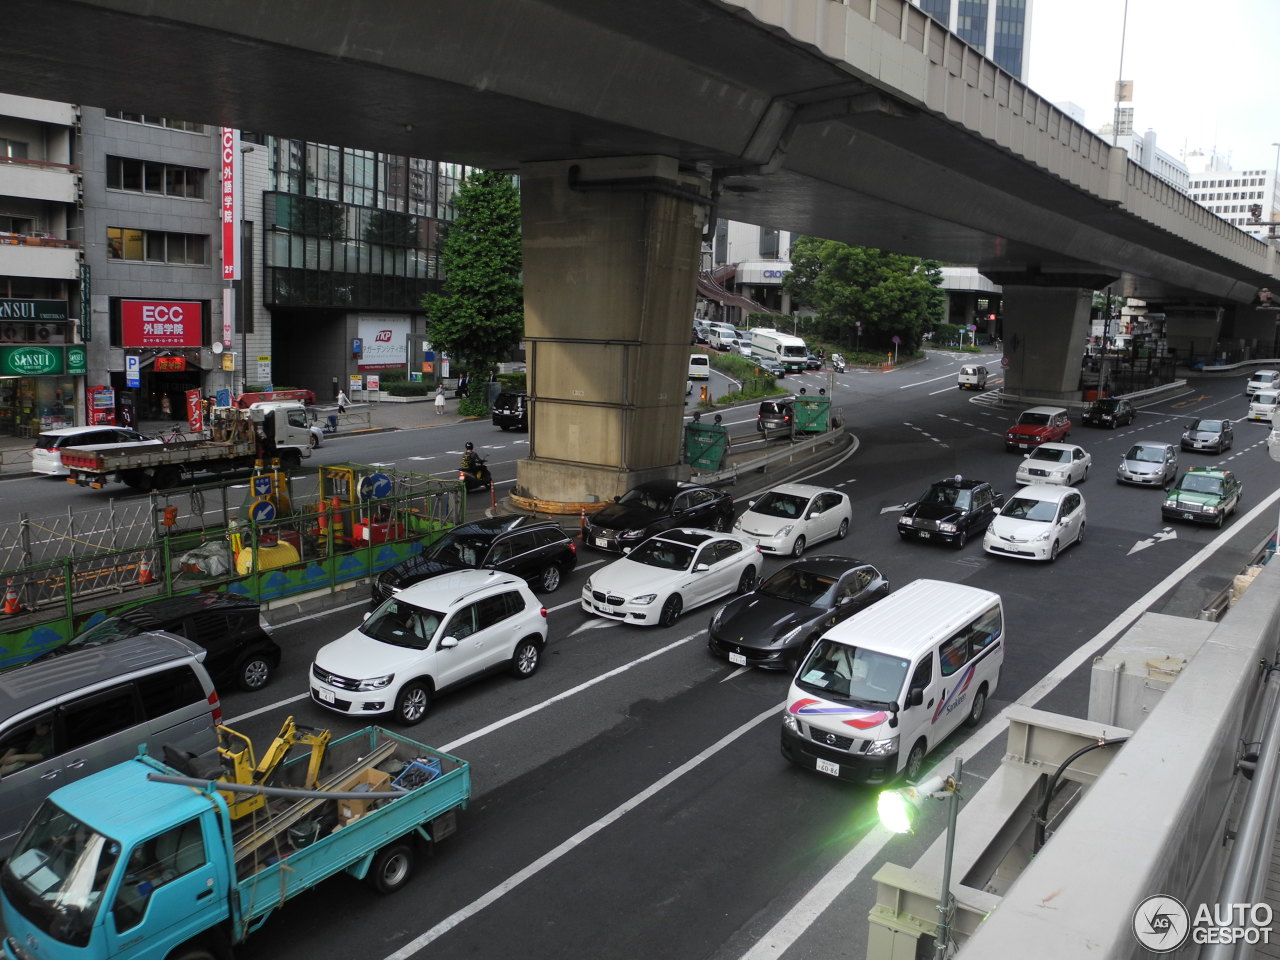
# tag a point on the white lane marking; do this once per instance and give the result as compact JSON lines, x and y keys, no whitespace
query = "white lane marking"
{"x":895,"y":508}
{"x":572,"y":843}
{"x":934,"y":393}
{"x":1168,"y":533}
{"x":921,"y":383}
{"x":737,"y":673}
{"x":790,"y":927}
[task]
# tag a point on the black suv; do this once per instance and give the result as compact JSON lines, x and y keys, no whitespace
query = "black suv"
{"x":951,"y":511}
{"x":511,"y":410}
{"x":227,"y":625}
{"x":537,"y":550}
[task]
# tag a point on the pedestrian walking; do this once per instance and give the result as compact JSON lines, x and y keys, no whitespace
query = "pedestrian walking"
{"x":440,"y":400}
{"x":342,"y":402}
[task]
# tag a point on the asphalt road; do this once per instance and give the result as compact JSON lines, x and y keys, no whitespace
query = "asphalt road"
{"x":630,"y":798}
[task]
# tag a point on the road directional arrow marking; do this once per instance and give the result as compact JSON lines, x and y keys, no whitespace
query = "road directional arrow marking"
{"x":737,"y":673}
{"x":895,"y":508}
{"x":1168,"y":533}
{"x":594,"y":624}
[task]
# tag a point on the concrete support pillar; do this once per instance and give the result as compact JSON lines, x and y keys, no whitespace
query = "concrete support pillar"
{"x":1045,"y":331}
{"x":611,"y":253}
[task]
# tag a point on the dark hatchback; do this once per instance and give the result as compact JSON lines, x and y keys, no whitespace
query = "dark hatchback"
{"x":1212,"y":436}
{"x":511,"y":411}
{"x":775,"y":625}
{"x":537,"y":550}
{"x":229,"y":627}
{"x":1109,"y":412}
{"x":951,"y":511}
{"x":652,"y":507}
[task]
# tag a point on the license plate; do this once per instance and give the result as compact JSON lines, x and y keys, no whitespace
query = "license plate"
{"x":738,"y":658}
{"x":922,"y":534}
{"x":324,"y":695}
{"x":826,"y":766}
{"x":604,"y":609}
{"x":1023,"y":446}
{"x":601,"y":542}
{"x":1188,"y":516}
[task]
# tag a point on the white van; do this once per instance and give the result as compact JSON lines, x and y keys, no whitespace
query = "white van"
{"x":699,"y":366}
{"x":882,"y":689}
{"x":721,"y":336}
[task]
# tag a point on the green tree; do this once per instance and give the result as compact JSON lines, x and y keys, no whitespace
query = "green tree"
{"x":479,"y":316}
{"x":888,"y":293}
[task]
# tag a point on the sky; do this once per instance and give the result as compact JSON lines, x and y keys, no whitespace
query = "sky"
{"x":1206,"y":73}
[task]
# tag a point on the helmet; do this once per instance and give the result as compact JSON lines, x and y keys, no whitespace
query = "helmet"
{"x":470,"y":445}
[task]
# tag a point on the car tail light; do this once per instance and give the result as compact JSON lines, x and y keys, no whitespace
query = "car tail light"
{"x":217,"y":707}
{"x":573,"y":547}
{"x":462,"y":474}
{"x":543,"y":611}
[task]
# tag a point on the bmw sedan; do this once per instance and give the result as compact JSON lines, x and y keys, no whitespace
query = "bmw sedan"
{"x":1149,"y":463}
{"x":788,"y":518}
{"x":672,"y":572}
{"x":655,"y":506}
{"x":775,"y":625}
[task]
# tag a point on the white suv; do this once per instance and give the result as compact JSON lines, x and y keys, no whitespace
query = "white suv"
{"x":428,"y":637}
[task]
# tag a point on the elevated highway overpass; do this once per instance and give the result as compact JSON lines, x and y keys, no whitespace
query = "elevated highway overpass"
{"x":631,"y":125}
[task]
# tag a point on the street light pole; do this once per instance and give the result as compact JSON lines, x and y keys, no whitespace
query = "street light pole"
{"x":241,"y":299}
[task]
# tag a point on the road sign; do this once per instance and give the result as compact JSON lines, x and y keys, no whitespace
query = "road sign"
{"x":375,"y":486}
{"x":262,"y":511}
{"x":895,"y":339}
{"x":1004,"y":361}
{"x":132,"y":366}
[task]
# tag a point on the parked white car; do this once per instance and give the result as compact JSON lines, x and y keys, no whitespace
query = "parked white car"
{"x":1063,"y":463}
{"x":1263,"y":404}
{"x":796,"y":515}
{"x":673,"y":571}
{"x":1036,"y":523}
{"x":433,"y":635}
{"x":1261,"y":380}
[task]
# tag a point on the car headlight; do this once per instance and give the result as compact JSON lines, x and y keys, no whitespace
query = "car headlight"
{"x":644,"y":598}
{"x":631,"y":534}
{"x":586,"y":587}
{"x":784,"y":532}
{"x":790,"y":723}
{"x":882,"y":748}
{"x":1208,"y":509}
{"x":1044,"y":536}
{"x":376,"y":683}
{"x":790,"y":636}
{"x":906,"y":521}
{"x":717,"y":617}
{"x":947,"y":528}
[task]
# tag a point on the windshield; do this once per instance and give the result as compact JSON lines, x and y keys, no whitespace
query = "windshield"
{"x":1198,"y":483}
{"x":1106,"y":406}
{"x":1265,"y":398}
{"x":106,"y":631}
{"x":402,"y":624}
{"x":838,"y":671}
{"x":1207,"y":426}
{"x":785,"y":505}
{"x":664,"y":554}
{"x":463,"y":550}
{"x":1052,"y":455}
{"x":1145,"y":454}
{"x":57,"y":874}
{"x":798,"y":353}
{"x":800,"y":586}
{"x":1033,"y":420}
{"x":647,"y":498}
{"x":949,"y":496}
{"x":1024,"y":508}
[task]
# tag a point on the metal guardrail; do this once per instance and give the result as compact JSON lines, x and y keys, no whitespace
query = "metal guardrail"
{"x":730,"y":473}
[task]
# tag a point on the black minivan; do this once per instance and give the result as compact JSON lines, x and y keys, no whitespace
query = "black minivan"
{"x":228,"y":626}
{"x":511,"y":410}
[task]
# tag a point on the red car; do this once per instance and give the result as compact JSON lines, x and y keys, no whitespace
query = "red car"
{"x":1038,"y":425}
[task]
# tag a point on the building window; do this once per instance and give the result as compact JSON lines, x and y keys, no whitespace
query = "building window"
{"x":143,"y":176}
{"x":13,"y":149}
{"x":154,"y":246}
{"x":151,"y":121}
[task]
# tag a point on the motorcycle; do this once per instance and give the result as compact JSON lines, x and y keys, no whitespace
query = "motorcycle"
{"x":476,"y":478}
{"x":837,"y":363}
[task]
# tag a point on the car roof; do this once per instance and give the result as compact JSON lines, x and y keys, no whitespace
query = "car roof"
{"x":1055,"y":445}
{"x":828,"y":565}
{"x":1045,"y":410}
{"x":801,"y":489}
{"x":1043,"y":491}
{"x":1265,"y":373}
{"x":495,"y":525}
{"x":689,"y":535}
{"x":32,"y":684}
{"x":449,"y":589}
{"x":960,"y":483}
{"x":1152,"y":443}
{"x":668,"y":487}
{"x":1210,"y":471}
{"x":158,"y":614}
{"x":77,"y":431}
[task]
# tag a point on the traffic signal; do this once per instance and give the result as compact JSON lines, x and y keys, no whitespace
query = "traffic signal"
{"x":1255,"y":211}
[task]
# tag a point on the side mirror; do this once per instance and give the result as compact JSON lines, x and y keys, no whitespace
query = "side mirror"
{"x":843,"y":600}
{"x":616,"y":499}
{"x":366,"y":616}
{"x":915,"y":696}
{"x":448,"y":643}
{"x":997,"y":500}
{"x":701,"y":567}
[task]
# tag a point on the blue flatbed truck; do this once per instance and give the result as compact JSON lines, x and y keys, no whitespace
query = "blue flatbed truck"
{"x":143,"y":861}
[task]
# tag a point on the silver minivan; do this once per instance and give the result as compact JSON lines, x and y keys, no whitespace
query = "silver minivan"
{"x":75,"y":715}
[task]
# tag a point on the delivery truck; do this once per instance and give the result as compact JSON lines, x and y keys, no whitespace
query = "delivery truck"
{"x":145,"y":860}
{"x":238,"y":438}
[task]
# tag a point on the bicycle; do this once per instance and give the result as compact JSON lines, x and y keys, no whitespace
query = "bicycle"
{"x":173,"y":436}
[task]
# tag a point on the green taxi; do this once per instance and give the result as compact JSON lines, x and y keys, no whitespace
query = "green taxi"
{"x":1203,"y":495}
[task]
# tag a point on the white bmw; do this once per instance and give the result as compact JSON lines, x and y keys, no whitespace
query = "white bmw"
{"x":795,"y":515}
{"x":671,"y":572}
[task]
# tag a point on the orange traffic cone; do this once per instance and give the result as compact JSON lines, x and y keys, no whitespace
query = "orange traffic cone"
{"x":12,"y":604}
{"x":144,"y":572}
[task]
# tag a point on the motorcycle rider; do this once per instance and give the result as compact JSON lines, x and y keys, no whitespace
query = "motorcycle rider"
{"x":472,"y":465}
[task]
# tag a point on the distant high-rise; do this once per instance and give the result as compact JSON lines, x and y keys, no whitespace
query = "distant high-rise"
{"x":999,"y":28}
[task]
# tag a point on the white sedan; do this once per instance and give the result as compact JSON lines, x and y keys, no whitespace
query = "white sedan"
{"x":671,"y":572}
{"x":1063,"y":463}
{"x":1036,"y":523}
{"x":795,"y":515}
